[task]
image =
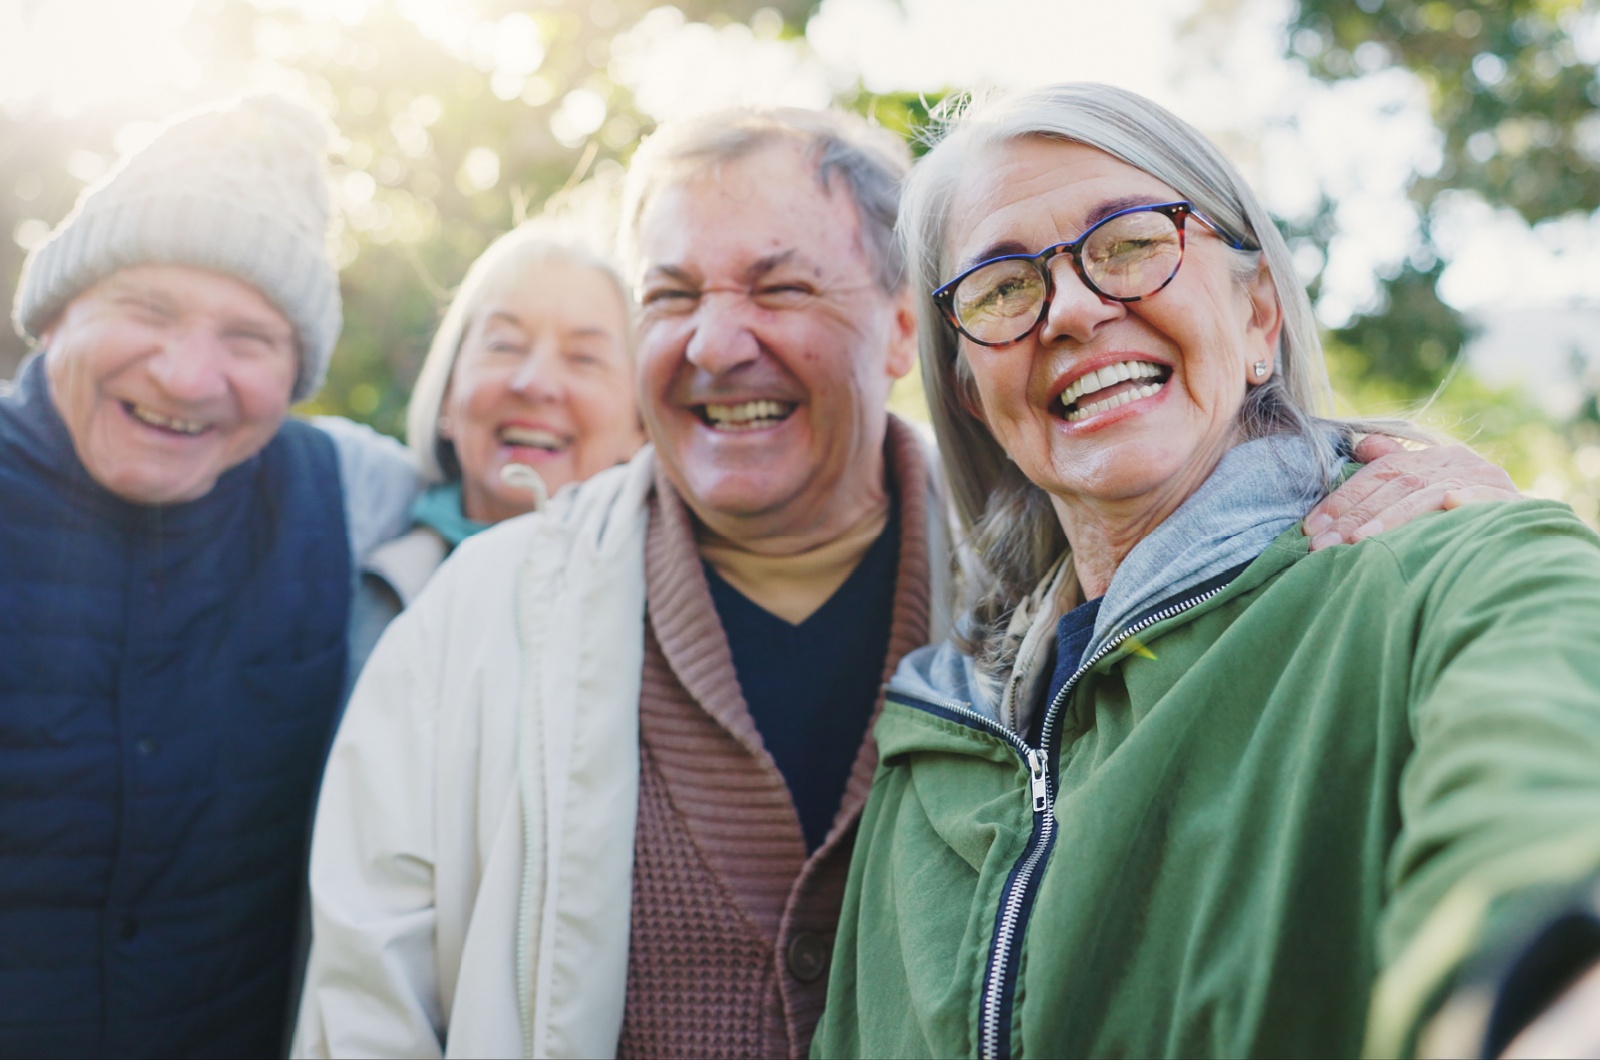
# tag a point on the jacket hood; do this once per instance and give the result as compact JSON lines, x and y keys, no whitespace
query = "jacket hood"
{"x":1258,"y":490}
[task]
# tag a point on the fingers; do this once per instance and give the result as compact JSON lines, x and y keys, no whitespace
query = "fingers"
{"x":1462,"y":496}
{"x":1382,"y":504}
{"x":1375,"y":446}
{"x":1400,"y":485}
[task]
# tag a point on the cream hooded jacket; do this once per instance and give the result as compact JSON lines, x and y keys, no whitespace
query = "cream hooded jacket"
{"x":466,"y":901}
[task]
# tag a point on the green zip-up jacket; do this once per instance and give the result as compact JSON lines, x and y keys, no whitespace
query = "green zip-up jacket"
{"x":1273,"y":823}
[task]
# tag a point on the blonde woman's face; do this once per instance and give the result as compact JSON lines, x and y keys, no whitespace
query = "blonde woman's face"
{"x":544,"y":379}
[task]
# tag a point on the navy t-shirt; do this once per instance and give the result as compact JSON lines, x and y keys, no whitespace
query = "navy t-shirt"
{"x":811,"y":688}
{"x":1073,"y":633}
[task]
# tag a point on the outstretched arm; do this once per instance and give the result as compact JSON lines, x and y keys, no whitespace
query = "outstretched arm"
{"x":1500,"y":797}
{"x":1399,"y":484}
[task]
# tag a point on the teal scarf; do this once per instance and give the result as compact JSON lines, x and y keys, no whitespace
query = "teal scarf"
{"x":439,"y":509}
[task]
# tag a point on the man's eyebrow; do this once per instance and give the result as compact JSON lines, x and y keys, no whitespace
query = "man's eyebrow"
{"x":273,"y":330}
{"x":129,"y":288}
{"x":1099,"y":212}
{"x":669,"y":272}
{"x":761,"y":266}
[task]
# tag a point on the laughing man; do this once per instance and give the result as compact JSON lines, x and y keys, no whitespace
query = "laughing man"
{"x":175,"y":569}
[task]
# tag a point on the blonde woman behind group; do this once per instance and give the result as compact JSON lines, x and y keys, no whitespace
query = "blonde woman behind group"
{"x":531,"y":369}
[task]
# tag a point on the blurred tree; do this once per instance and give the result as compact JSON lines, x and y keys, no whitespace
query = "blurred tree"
{"x":1518,"y":110}
{"x":458,"y":120}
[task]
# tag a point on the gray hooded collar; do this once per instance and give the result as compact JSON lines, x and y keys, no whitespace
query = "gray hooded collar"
{"x":1258,"y":490}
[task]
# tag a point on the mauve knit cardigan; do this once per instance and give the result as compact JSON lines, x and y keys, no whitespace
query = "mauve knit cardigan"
{"x":723,"y":888}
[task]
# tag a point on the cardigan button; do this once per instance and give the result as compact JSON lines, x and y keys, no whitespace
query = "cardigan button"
{"x":808,"y":956}
{"x":130,"y":927}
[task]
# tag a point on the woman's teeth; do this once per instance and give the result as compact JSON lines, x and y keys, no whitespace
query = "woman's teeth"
{"x":1123,"y":398}
{"x":748,"y":416}
{"x":1076,"y":408}
{"x":532,"y":438}
{"x":166,"y":423}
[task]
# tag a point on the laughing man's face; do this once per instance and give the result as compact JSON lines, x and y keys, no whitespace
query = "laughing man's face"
{"x":167,"y":376}
{"x":767,"y":346}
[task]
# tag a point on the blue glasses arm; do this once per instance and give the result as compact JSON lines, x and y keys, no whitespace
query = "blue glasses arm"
{"x":1235,"y":242}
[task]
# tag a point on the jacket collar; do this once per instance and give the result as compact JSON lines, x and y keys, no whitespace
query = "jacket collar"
{"x":1259,"y":490}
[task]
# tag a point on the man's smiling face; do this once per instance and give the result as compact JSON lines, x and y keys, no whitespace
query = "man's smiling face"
{"x":767,"y":345}
{"x":167,"y":376}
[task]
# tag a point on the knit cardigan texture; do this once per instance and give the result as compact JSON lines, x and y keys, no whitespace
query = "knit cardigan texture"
{"x":727,"y":907}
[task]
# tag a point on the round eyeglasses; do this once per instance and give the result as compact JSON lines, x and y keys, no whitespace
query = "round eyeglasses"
{"x":1127,"y":256}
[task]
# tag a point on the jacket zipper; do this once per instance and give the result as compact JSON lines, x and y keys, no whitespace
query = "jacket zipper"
{"x":999,"y":981}
{"x":1044,"y":826}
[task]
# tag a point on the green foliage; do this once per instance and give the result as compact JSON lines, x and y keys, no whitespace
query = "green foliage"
{"x":1519,"y":114}
{"x":1413,"y":338}
{"x":904,"y":113}
{"x":1514,"y":101}
{"x":1518,"y":111}
{"x":448,"y":144}
{"x":449,"y":140}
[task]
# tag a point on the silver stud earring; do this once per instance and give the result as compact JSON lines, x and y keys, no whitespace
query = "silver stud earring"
{"x":444,"y":424}
{"x":1260,"y":368}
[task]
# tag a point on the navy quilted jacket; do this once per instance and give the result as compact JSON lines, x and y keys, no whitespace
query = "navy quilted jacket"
{"x":167,"y":679}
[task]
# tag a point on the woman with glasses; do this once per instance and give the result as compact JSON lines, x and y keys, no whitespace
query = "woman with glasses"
{"x":1181,"y":786}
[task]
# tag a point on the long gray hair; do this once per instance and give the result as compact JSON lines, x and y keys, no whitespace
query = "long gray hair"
{"x":1009,"y":521}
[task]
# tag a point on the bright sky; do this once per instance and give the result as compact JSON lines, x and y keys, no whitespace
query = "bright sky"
{"x":1220,"y":68}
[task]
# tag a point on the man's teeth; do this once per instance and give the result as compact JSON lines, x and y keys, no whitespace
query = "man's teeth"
{"x":1123,"y":398}
{"x":533,"y":438}
{"x":749,"y":416}
{"x":167,"y":423}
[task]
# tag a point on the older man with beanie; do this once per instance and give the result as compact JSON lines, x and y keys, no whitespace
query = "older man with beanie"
{"x":175,"y":575}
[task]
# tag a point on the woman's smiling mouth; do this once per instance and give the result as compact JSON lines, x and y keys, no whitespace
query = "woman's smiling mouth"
{"x":533,"y":438}
{"x":1111,"y":386}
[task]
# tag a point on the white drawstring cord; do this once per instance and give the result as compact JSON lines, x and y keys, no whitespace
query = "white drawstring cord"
{"x":527,"y":478}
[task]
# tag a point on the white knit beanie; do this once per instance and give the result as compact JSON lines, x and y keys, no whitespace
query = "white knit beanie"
{"x":240,"y":188}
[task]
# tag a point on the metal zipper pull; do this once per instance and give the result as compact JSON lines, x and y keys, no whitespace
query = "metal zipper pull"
{"x":1036,"y":776}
